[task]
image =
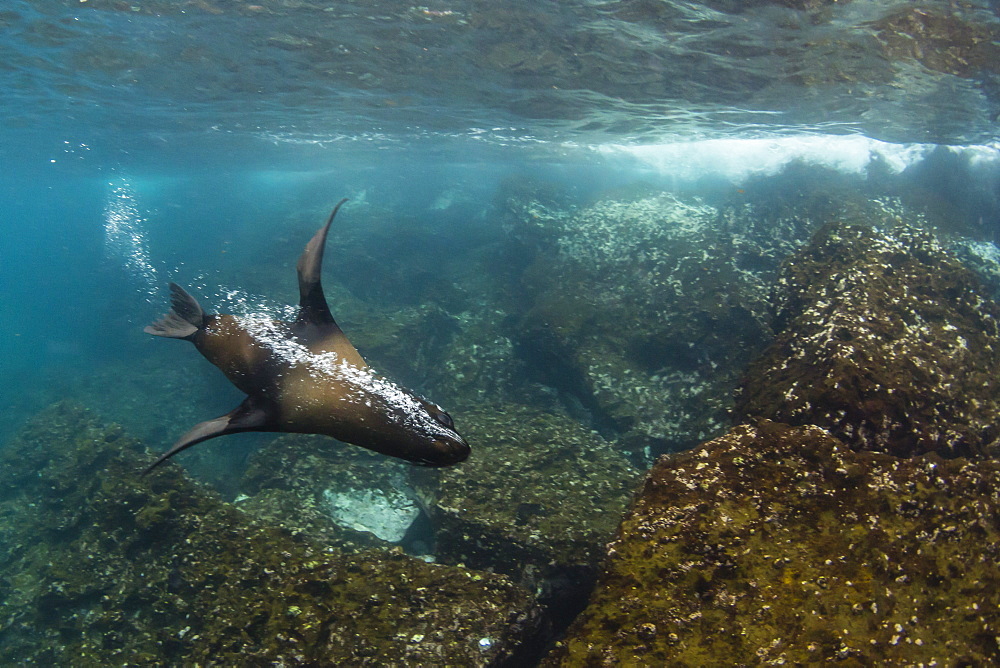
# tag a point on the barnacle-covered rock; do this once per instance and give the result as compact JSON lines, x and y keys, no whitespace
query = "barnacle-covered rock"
{"x":640,"y":309}
{"x":537,"y":500}
{"x":479,"y":366}
{"x":101,"y":567}
{"x":460,"y":360}
{"x":647,"y":307}
{"x":408,"y":342}
{"x":983,"y":258}
{"x":885,"y":340}
{"x":776,"y":544}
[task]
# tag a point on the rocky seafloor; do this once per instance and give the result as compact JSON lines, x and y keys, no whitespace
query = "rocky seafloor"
{"x":807,"y":364}
{"x":103,"y":567}
{"x":852,"y":516}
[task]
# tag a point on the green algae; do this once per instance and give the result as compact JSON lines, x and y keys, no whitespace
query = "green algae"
{"x":107,"y":568}
{"x":778,"y":544}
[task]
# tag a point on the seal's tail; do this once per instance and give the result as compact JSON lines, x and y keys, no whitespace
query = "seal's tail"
{"x":184,"y":319}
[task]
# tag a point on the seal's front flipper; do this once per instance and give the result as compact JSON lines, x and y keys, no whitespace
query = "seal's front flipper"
{"x":248,"y":416}
{"x":184,"y":319}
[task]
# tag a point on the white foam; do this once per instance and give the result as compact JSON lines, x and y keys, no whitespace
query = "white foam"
{"x":980,"y":156}
{"x":737,"y":159}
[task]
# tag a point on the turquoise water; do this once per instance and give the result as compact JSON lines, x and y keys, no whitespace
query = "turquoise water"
{"x":149,"y":142}
{"x":91,"y":246}
{"x":203,"y":143}
{"x":145,"y":143}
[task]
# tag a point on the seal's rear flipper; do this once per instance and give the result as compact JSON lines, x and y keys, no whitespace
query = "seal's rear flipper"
{"x":248,"y":416}
{"x":185,"y":317}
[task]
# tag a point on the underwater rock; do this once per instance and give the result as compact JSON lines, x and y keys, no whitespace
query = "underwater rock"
{"x":983,"y":258}
{"x":462,"y":359}
{"x":776,"y":544}
{"x":641,"y":311}
{"x":388,"y":515}
{"x":301,"y":514}
{"x":101,"y":567}
{"x":427,"y":254}
{"x":814,"y":7}
{"x":412,"y":339}
{"x":480,"y":366}
{"x":336,"y":495}
{"x":944,"y":42}
{"x":538,"y":501}
{"x":886,"y":341}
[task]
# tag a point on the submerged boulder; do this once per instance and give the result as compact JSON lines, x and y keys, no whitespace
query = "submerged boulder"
{"x":644,"y":308}
{"x":537,"y":501}
{"x":941,"y":41}
{"x":642,"y":311}
{"x":885,"y":340}
{"x":101,"y":567}
{"x":776,"y":544}
{"x":341,"y":496}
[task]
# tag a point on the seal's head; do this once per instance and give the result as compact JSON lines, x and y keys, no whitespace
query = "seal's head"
{"x":419,"y":431}
{"x":443,"y":445}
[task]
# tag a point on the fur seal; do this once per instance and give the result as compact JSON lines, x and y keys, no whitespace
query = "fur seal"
{"x":305,"y":377}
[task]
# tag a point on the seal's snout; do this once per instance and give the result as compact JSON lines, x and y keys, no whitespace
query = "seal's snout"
{"x":450,"y":450}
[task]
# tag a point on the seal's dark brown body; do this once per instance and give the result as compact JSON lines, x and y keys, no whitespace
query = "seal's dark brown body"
{"x":306,"y":377}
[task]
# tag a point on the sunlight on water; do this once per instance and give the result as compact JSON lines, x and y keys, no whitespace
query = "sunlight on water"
{"x":125,"y":237}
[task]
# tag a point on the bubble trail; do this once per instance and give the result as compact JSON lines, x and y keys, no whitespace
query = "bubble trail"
{"x":125,"y":236}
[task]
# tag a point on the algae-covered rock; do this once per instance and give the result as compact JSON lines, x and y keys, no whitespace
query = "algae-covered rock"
{"x":101,"y":567}
{"x":647,"y":307}
{"x":776,"y":544}
{"x":641,"y":310}
{"x":885,"y":340}
{"x":983,"y":258}
{"x":945,"y":42}
{"x":407,"y":341}
{"x":461,"y":360}
{"x":537,"y":500}
{"x":340,"y":495}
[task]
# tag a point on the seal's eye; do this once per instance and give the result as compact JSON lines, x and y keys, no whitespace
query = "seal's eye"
{"x":438,"y":413}
{"x":445,"y":419}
